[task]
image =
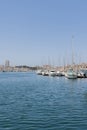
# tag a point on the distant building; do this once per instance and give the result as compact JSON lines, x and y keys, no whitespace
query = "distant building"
{"x":7,"y":63}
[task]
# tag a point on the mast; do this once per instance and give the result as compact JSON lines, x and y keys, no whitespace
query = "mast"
{"x":72,"y":52}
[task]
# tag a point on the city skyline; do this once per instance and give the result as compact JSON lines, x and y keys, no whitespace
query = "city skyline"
{"x":35,"y":32}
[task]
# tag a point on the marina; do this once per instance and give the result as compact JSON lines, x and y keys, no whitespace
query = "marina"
{"x":69,"y":73}
{"x":43,"y":65}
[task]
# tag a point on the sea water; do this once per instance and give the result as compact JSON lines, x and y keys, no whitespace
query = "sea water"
{"x":34,"y":102}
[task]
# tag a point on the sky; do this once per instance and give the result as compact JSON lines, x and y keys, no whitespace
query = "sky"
{"x":38,"y":32}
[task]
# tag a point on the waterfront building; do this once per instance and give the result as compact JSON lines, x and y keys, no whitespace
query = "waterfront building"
{"x":7,"y":63}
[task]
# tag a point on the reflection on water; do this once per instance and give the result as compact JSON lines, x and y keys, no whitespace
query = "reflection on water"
{"x":33,"y":102}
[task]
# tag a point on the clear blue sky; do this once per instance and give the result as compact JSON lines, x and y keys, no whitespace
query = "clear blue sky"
{"x":35,"y":32}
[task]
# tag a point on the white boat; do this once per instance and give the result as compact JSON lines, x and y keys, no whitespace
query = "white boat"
{"x":45,"y":73}
{"x":82,"y":74}
{"x":71,"y":74}
{"x":52,"y":73}
{"x":59,"y":74}
{"x":39,"y":72}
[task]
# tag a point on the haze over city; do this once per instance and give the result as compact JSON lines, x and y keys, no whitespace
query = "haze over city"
{"x":37,"y":32}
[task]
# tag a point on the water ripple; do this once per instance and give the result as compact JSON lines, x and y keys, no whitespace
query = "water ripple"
{"x":32,"y":102}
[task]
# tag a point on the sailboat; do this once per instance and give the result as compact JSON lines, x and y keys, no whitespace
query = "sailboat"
{"x":71,"y":74}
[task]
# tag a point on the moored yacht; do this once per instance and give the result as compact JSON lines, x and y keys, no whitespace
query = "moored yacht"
{"x":45,"y":73}
{"x":71,"y":74}
{"x":39,"y":72}
{"x":59,"y":73}
{"x":52,"y":73}
{"x":82,"y":74}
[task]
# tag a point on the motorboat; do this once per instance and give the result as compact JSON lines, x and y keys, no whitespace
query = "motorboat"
{"x":59,"y":73}
{"x":82,"y":74}
{"x":52,"y":73}
{"x":71,"y":74}
{"x":45,"y":73}
{"x":39,"y":72}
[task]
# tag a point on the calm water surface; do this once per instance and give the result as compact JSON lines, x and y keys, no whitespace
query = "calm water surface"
{"x":32,"y":102}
